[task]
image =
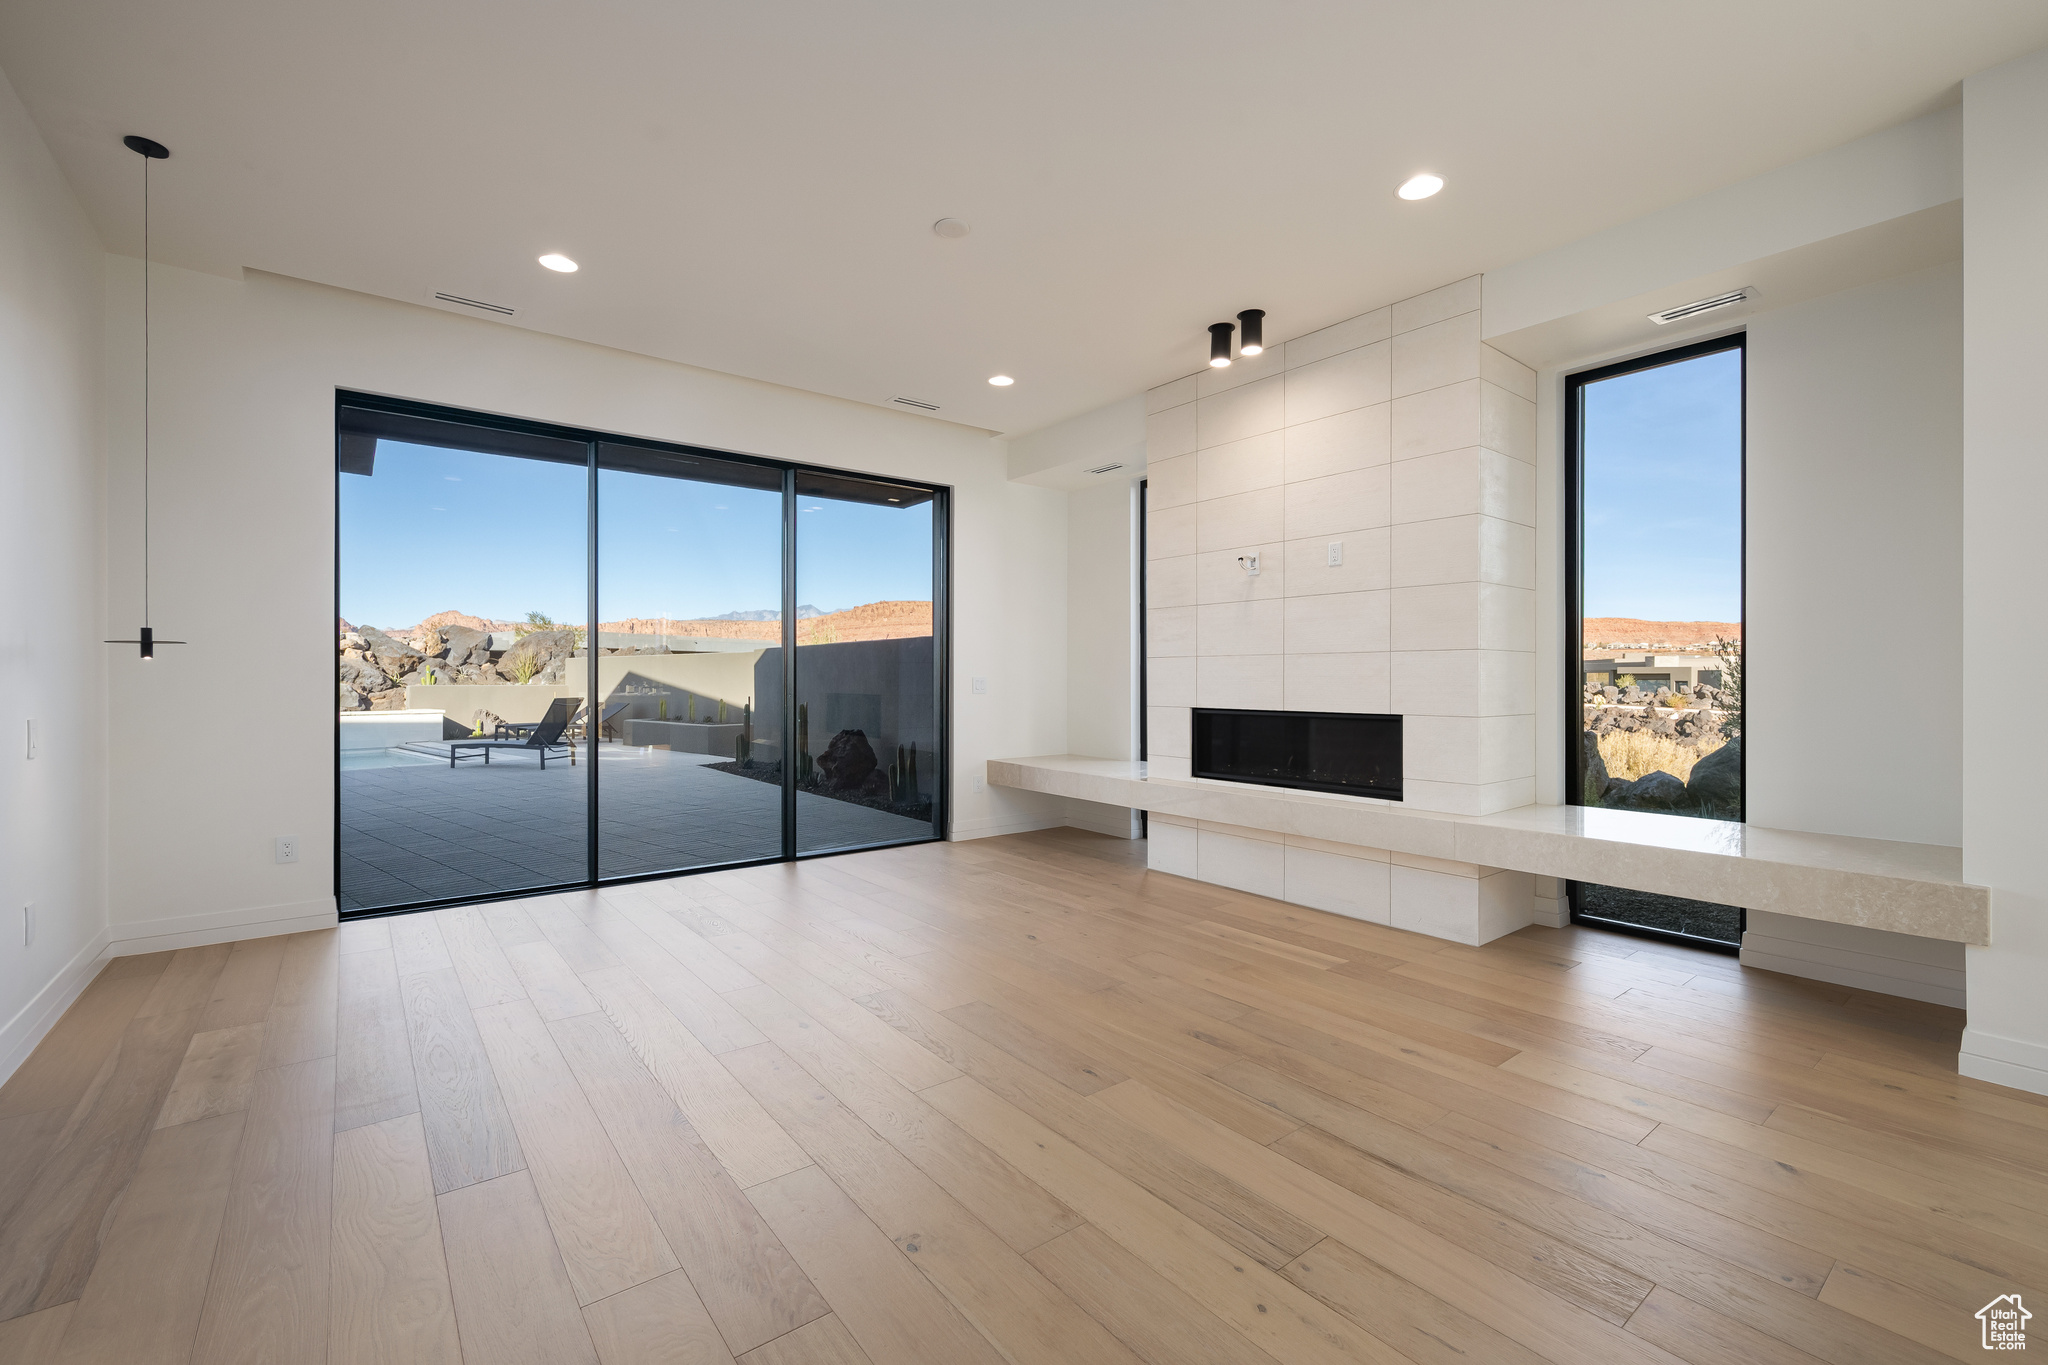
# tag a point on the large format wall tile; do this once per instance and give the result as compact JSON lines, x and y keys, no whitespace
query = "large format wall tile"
{"x":1338,"y":682}
{"x":1243,"y":681}
{"x":1348,"y":335}
{"x":1332,"y":506}
{"x":1442,"y":353}
{"x":1240,"y":628}
{"x":1335,"y":445}
{"x":1352,"y":379}
{"x":1243,"y":519}
{"x":1366,"y":565}
{"x":1437,"y":305}
{"x":1172,"y":481}
{"x":1170,"y":433}
{"x":1241,"y":466}
{"x":1339,"y":623}
{"x":1238,"y":413}
{"x":1454,"y":482}
{"x":1244,"y":864}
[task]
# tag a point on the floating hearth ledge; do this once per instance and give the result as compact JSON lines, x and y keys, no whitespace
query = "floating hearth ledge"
{"x":1873,"y":883}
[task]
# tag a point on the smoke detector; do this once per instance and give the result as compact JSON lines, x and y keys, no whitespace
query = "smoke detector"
{"x":1699,"y":306}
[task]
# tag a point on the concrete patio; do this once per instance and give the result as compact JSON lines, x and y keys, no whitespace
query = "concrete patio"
{"x":415,"y":829}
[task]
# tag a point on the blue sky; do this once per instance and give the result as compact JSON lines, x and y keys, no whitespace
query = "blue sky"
{"x":1663,"y":492}
{"x":439,"y":530}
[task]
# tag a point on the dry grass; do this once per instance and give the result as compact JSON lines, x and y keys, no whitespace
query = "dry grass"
{"x":1632,"y":754}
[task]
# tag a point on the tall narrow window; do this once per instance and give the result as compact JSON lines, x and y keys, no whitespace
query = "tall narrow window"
{"x":566,"y":658}
{"x":1654,"y":693}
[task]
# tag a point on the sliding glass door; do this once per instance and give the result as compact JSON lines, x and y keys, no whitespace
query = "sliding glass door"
{"x":689,"y":552}
{"x":867,"y":715}
{"x":1655,"y":637}
{"x":564,"y":658}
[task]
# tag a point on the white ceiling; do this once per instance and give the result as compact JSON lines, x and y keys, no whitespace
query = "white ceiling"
{"x":750,"y":186}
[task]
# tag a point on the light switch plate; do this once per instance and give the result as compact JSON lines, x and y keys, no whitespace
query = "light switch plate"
{"x":980,"y":685}
{"x":32,"y":738}
{"x":1336,"y":553}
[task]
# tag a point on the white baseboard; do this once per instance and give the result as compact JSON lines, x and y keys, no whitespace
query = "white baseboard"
{"x":33,"y":1021}
{"x":2004,"y":1061}
{"x":219,"y":926}
{"x":1552,"y":912}
{"x":960,"y":833}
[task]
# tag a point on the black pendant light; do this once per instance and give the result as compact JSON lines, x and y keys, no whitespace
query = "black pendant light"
{"x":149,"y":151}
{"x":1219,"y":343}
{"x":1251,"y":331}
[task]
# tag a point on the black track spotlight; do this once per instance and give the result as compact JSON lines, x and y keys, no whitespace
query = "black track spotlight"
{"x":1252,"y":331}
{"x":1219,"y":343}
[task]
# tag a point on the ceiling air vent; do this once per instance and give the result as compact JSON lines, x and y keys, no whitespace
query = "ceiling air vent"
{"x":1699,"y":306}
{"x":917,"y":403}
{"x":1104,"y":468}
{"x":500,"y":309}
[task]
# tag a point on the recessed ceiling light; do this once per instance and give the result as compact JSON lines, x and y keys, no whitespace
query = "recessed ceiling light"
{"x":1001,"y":381}
{"x":555,"y":260}
{"x":1421,"y":186}
{"x":950,"y":227}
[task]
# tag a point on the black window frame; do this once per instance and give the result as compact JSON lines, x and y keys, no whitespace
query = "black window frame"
{"x":790,"y":472}
{"x":1574,"y":591}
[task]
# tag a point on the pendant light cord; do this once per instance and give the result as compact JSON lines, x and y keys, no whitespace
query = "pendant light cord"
{"x":145,"y":391}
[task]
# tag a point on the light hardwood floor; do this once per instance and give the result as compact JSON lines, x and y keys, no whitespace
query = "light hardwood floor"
{"x":1014,"y":1100}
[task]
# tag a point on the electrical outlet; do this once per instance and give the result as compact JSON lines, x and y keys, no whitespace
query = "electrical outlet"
{"x":980,"y":784}
{"x":1336,"y":553}
{"x":980,"y":685}
{"x":286,"y":848}
{"x":28,"y":924}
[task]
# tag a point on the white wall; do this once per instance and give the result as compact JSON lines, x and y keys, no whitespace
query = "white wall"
{"x":1855,"y":546}
{"x":1102,"y":625}
{"x":2005,"y":503}
{"x":52,"y":664}
{"x":207,"y":773}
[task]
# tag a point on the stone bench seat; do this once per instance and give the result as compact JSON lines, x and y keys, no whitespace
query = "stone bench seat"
{"x":1899,"y":888}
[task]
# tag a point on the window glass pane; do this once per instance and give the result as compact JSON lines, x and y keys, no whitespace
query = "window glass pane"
{"x":866,"y":727}
{"x":463,"y":601}
{"x":689,"y":603}
{"x":1661,"y":576}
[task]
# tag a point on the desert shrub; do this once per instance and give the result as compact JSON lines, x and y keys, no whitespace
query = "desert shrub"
{"x":1625,"y":681}
{"x":1630,"y":754}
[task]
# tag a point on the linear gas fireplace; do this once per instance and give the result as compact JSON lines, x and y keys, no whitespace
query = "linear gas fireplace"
{"x":1325,"y":751}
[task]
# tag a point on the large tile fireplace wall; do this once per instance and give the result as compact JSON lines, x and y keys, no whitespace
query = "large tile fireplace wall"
{"x":1383,"y":471}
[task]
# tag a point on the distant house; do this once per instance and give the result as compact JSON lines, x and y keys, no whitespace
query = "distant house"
{"x":1652,"y":671}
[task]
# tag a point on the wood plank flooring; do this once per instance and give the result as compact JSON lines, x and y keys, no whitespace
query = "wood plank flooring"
{"x":1015,"y":1101}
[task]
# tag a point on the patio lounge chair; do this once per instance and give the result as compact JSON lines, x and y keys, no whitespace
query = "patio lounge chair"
{"x":543,"y":738}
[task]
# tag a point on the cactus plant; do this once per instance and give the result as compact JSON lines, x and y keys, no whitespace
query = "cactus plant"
{"x":690,"y":708}
{"x":661,"y":709}
{"x":721,"y":710}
